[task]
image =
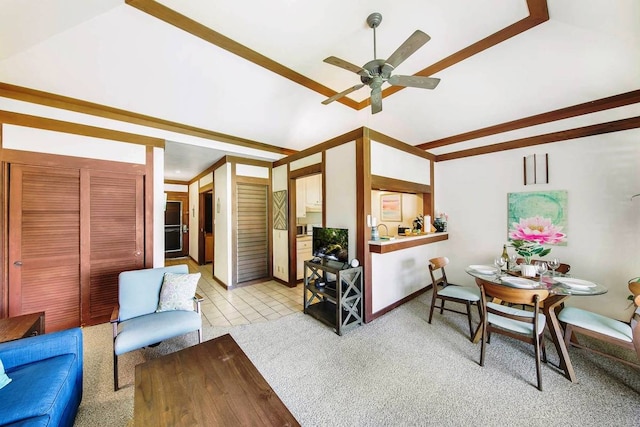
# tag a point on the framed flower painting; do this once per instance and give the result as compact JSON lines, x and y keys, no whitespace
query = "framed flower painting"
{"x":539,"y":216}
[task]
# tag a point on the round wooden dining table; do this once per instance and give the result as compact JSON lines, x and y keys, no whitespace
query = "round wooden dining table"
{"x":560,"y":287}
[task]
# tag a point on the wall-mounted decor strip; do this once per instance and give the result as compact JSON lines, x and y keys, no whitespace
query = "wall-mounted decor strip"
{"x":563,"y":135}
{"x":615,"y":101}
{"x":85,"y":107}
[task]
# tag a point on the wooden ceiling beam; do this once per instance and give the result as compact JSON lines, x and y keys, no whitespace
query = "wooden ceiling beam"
{"x":615,"y":101}
{"x":538,"y":13}
{"x":563,"y":135}
{"x":195,"y":28}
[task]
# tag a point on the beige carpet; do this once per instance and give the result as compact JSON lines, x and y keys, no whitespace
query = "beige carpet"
{"x":397,"y":370}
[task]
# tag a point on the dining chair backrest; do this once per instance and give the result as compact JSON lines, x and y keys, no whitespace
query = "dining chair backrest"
{"x":511,"y":295}
{"x":438,"y":264}
{"x":562,"y":268}
{"x":524,"y":325}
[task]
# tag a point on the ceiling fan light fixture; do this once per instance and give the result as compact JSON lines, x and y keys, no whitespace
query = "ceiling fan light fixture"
{"x":374,"y":73}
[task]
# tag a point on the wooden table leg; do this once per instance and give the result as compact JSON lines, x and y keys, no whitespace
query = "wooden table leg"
{"x":549,"y":309}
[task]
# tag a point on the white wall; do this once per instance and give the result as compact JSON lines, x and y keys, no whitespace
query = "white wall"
{"x":280,"y":237}
{"x":340,"y":180}
{"x":600,"y":174}
{"x":393,"y":163}
{"x":194,"y":228}
{"x":222,"y":233}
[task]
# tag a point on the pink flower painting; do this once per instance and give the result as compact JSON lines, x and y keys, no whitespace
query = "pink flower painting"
{"x":537,"y":229}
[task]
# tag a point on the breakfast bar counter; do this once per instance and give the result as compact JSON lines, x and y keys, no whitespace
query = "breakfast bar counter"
{"x":396,"y":243}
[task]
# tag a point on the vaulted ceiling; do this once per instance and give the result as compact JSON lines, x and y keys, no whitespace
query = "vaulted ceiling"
{"x":247,"y":77}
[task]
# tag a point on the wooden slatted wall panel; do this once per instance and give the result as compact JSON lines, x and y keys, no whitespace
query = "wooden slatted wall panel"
{"x":116,"y":238}
{"x":252,"y":241}
{"x":44,"y":225}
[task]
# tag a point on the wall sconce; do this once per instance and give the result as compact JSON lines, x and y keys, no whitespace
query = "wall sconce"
{"x":218,"y":205}
{"x":536,"y":169}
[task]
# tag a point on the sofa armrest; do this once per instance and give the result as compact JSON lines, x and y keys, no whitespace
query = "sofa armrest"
{"x":40,"y":347}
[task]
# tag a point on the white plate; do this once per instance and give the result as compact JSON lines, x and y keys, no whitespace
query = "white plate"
{"x":483,"y":269}
{"x":570,"y":282}
{"x":519,"y":282}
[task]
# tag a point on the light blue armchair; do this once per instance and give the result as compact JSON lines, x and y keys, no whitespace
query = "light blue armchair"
{"x":136,"y":324}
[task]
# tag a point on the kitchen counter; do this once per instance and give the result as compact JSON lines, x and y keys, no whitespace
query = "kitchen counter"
{"x":395,"y":243}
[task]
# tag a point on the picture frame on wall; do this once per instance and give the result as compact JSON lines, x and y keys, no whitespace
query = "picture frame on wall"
{"x":391,"y":207}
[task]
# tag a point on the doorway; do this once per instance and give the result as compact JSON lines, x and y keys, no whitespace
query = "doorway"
{"x":205,"y":225}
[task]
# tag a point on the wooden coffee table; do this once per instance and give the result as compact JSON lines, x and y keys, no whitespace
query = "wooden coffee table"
{"x":26,"y":325}
{"x":213,"y":383}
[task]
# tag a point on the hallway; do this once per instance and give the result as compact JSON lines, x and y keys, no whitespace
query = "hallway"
{"x":241,"y":306}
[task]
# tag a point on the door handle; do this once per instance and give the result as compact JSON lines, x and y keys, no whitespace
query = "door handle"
{"x":18,"y":263}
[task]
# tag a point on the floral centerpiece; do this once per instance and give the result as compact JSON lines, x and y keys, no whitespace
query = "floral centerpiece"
{"x":530,"y":234}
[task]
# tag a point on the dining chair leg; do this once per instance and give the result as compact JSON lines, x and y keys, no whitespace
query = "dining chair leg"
{"x":442,"y":307}
{"x":544,"y":349}
{"x":483,"y":344}
{"x":433,"y":305}
{"x":469,"y":319}
{"x":538,"y":367}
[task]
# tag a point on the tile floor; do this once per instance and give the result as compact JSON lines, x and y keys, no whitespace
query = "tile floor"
{"x":249,"y":304}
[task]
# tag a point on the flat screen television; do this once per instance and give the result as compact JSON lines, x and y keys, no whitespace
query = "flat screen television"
{"x":331,"y":244}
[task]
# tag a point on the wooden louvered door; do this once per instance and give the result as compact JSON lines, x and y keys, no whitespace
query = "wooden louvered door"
{"x":252,"y":234}
{"x":113,"y":211}
{"x":44,"y":248}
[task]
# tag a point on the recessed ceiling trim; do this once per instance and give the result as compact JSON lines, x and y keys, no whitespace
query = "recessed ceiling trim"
{"x":550,"y":116}
{"x":538,"y":13}
{"x":563,"y":135}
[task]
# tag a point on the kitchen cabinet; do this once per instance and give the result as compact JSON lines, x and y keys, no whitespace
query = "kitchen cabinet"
{"x":313,"y":189}
{"x":301,"y":198}
{"x":304,"y":252}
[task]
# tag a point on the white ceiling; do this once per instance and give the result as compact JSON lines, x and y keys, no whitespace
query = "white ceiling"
{"x":108,"y":52}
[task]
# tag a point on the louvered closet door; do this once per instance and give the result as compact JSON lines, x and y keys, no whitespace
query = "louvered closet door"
{"x":115,"y":218}
{"x":252,"y":238}
{"x":44,"y":244}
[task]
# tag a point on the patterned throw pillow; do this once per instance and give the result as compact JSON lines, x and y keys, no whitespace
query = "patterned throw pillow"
{"x":178,"y":291}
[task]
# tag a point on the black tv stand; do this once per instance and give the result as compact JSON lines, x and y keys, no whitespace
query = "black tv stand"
{"x":337,"y":303}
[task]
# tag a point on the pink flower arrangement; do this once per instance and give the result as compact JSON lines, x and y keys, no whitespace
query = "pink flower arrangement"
{"x":530,"y":234}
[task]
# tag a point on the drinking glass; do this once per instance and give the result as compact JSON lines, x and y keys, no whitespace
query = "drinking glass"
{"x":512,"y":261}
{"x":499,"y":263}
{"x":541,"y":267}
{"x":553,"y":264}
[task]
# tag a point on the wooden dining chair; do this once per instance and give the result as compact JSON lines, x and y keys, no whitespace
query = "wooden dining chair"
{"x":606,"y":329}
{"x":523,"y":325}
{"x":445,"y":291}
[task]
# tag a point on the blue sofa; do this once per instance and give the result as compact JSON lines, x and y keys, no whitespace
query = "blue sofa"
{"x":46,"y":374}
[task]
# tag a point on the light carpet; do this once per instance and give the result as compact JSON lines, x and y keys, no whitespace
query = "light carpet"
{"x":396,"y":370}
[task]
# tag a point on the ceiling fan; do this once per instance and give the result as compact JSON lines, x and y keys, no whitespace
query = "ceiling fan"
{"x":374,"y":73}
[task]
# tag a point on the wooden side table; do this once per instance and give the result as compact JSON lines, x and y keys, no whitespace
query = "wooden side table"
{"x":27,"y":325}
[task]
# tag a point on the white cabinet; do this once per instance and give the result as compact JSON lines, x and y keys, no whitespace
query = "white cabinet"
{"x":301,"y":198}
{"x":304,"y":252}
{"x":313,"y":188}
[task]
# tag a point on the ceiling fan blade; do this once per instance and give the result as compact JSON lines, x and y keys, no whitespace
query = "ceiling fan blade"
{"x":376,"y":100}
{"x":346,"y":65}
{"x":406,"y":49}
{"x":414,"y":81}
{"x":341,"y":94}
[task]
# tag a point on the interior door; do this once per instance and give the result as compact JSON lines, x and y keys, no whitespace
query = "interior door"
{"x":252,"y":233}
{"x":113,"y":217}
{"x":44,"y":244}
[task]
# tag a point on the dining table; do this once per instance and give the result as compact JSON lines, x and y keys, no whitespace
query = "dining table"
{"x":560,"y":286}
